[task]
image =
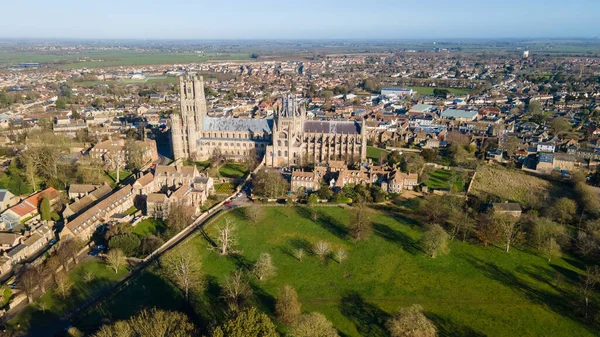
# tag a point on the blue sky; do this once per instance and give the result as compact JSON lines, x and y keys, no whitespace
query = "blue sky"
{"x":307,"y":19}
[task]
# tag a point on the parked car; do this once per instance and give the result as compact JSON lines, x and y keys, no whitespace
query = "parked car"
{"x":227,"y":203}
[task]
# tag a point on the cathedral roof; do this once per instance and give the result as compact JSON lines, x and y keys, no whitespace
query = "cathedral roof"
{"x":237,"y":124}
{"x":332,"y":127}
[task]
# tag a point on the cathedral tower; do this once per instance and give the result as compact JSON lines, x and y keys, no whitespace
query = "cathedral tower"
{"x":187,"y":125}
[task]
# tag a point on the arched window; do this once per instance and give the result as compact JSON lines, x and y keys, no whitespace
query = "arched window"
{"x":279,"y":153}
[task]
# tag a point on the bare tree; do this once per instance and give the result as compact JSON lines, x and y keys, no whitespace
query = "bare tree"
{"x":52,"y":263}
{"x":41,"y":273}
{"x":264,"y":268}
{"x":115,"y":259}
{"x":362,"y":224}
{"x":340,"y":255}
{"x":64,"y":256}
{"x":179,"y":215}
{"x":322,"y":250}
{"x":183,"y":268}
{"x":299,"y":253}
{"x":117,"y":161}
{"x":27,"y":281}
{"x":507,"y":227}
{"x":63,"y":285}
{"x":411,"y":322}
{"x":287,"y":306}
{"x":313,"y":324}
{"x":253,"y":213}
{"x":226,"y":237}
{"x":587,"y":285}
{"x":237,"y":290}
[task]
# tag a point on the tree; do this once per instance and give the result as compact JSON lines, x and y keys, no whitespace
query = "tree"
{"x":151,"y":323}
{"x":410,"y":322}
{"x":264,"y":268}
{"x":552,"y":249}
{"x":393,"y":158}
{"x":542,"y":230}
{"x":585,"y":243}
{"x":587,"y":285}
{"x":254,"y":213}
{"x":27,"y":281}
{"x":128,"y":243}
{"x":563,"y":210}
{"x":183,"y":268}
{"x":434,"y":208}
{"x":325,"y":192}
{"x":137,"y":156}
{"x":534,"y":107}
{"x":236,"y":291}
{"x":63,"y":284}
{"x":250,"y":322}
{"x":299,"y":253}
{"x":45,"y":210}
{"x":115,"y":259}
{"x":435,"y":241}
{"x":361,"y":225}
{"x":287,"y":307}
{"x":341,"y":255}
{"x":508,"y":228}
{"x":313,"y":325}
{"x":6,"y":293}
{"x":411,"y":163}
{"x":117,"y":160}
{"x":560,"y":126}
{"x":322,"y":250}
{"x":269,"y":183}
{"x":179,"y":216}
{"x":226,"y":238}
{"x":460,"y":223}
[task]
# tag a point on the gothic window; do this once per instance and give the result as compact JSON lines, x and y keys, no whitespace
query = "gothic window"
{"x":278,"y":143}
{"x":285,"y":153}
{"x":286,"y":143}
{"x":279,"y":153}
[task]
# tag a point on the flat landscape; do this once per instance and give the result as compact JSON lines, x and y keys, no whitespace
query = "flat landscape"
{"x":471,"y":291}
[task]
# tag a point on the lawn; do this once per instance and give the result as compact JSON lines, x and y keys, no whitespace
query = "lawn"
{"x":233,"y":170}
{"x":112,"y":176}
{"x":224,"y":188}
{"x":202,"y":165}
{"x":374,"y":153}
{"x":472,"y":291}
{"x":36,"y":317}
{"x":493,"y":183}
{"x":150,"y":226}
{"x":442,"y":179}
{"x":131,"y":210}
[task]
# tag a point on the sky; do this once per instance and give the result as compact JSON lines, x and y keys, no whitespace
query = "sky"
{"x":307,"y":19}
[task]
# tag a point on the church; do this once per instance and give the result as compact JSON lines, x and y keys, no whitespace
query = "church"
{"x":287,"y":139}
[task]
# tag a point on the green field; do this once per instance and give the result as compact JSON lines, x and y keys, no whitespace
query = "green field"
{"x":111,"y":58}
{"x":374,"y":153}
{"x":47,"y":309}
{"x":442,"y":180}
{"x":149,"y":226}
{"x":233,"y":170}
{"x":429,"y":90}
{"x":472,"y":291}
{"x":224,"y":188}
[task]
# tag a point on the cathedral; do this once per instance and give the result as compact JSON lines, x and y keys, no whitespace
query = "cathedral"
{"x":287,"y":139}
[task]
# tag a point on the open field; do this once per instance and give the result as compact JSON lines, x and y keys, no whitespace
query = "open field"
{"x":50,"y":306}
{"x":375,"y":152}
{"x":233,"y":170}
{"x":443,"y":179}
{"x":493,"y":183}
{"x":472,"y":291}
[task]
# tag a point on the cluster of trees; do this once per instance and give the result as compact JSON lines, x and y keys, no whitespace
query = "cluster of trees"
{"x":269,"y":183}
{"x":151,"y":322}
{"x":120,"y":236}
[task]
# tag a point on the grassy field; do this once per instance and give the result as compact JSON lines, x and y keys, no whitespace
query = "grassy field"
{"x":472,"y":291}
{"x":50,"y":306}
{"x":202,"y":165}
{"x":429,"y":90}
{"x":442,"y":180}
{"x":513,"y":185}
{"x":224,"y":188}
{"x":233,"y":170}
{"x":149,"y":226}
{"x":374,"y":153}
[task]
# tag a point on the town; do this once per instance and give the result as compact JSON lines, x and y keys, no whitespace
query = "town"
{"x":212,"y":182}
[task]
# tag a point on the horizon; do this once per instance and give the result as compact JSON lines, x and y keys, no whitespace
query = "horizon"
{"x":313,"y":20}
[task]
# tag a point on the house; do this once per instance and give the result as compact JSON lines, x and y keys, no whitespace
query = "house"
{"x":39,"y":239}
{"x":84,"y":225}
{"x":77,"y":191}
{"x":7,"y":199}
{"x":156,"y":205}
{"x":546,"y":147}
{"x":9,"y":240}
{"x":81,"y":204}
{"x":507,"y":208}
{"x":545,"y":162}
{"x":5,"y":265}
{"x":422,"y":108}
{"x":28,"y":207}
{"x":307,"y":181}
{"x":564,"y":162}
{"x":145,"y":184}
{"x":174,"y":176}
{"x":400,"y":181}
